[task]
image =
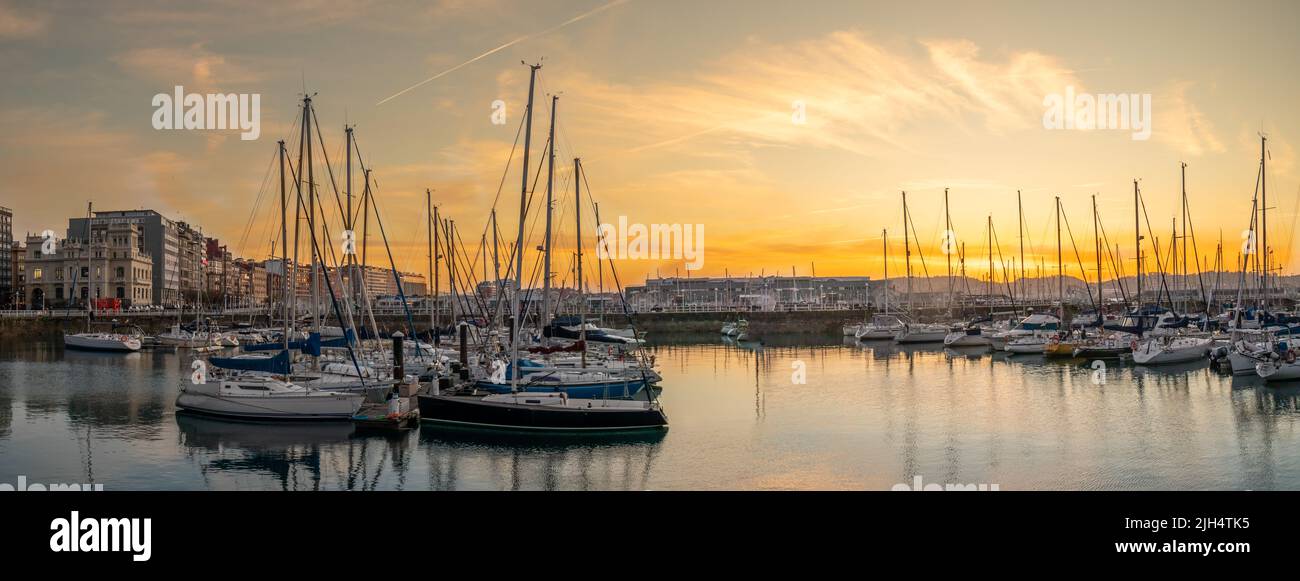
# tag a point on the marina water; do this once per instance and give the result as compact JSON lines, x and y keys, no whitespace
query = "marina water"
{"x":794,"y":414}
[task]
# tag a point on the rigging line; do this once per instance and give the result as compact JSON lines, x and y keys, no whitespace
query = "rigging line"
{"x":992,"y":271}
{"x":328,"y":167}
{"x":252,"y":217}
{"x":1082,"y":269}
{"x":261,"y":192}
{"x":471,"y":281}
{"x":1115,"y":264}
{"x":1197,"y":254}
{"x":329,"y":287}
{"x":920,"y":254}
{"x":396,"y":276}
{"x":1155,"y":251}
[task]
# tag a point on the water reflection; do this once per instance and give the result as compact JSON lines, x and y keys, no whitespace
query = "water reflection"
{"x":866,"y":416}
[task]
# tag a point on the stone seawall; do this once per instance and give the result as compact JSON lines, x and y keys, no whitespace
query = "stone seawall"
{"x":760,"y":322}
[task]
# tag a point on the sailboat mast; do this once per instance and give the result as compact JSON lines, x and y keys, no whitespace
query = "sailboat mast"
{"x":545,"y":318}
{"x":433,"y":271}
{"x":496,"y":257}
{"x":884,"y":241}
{"x":907,"y":255}
{"x":1096,"y":234}
{"x":1137,"y":242}
{"x":1186,"y":215}
{"x":350,"y":258}
{"x":1263,"y":209}
{"x":1020,"y":211}
{"x":990,"y":285}
{"x":577,"y":202}
{"x":284,"y":248}
{"x":947,"y":234}
{"x":90,"y":266}
{"x":523,"y":213}
{"x":454,"y":291}
{"x":1060,"y":270}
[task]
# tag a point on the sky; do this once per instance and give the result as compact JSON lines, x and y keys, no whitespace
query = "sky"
{"x":788,"y":130}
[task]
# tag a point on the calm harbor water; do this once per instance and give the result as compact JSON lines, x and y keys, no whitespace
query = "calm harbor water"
{"x":865,"y":417}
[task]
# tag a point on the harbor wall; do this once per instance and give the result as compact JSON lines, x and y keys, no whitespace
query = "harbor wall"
{"x":827,"y":322}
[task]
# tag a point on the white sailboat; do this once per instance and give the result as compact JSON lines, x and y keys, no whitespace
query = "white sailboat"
{"x":921,"y":333}
{"x":882,"y":327}
{"x":263,"y":397}
{"x":266,"y":395}
{"x":92,"y":341}
{"x":102,"y":342}
{"x":1163,"y":350}
{"x":970,"y":336}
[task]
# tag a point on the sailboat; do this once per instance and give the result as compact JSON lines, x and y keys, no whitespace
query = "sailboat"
{"x":883,"y":326}
{"x":1172,"y":346}
{"x":263,"y":389}
{"x":102,"y":342}
{"x":910,"y":331}
{"x":521,"y":409}
{"x":90,"y":340}
{"x":1105,"y":344}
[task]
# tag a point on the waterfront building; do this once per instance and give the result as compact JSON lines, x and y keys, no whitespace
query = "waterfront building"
{"x":161,"y":242}
{"x":752,"y":293}
{"x":6,"y":257}
{"x":111,"y":263}
{"x":18,"y":260}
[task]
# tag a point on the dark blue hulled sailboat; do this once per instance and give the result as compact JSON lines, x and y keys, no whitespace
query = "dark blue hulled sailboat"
{"x":576,"y":383}
{"x":530,"y":396}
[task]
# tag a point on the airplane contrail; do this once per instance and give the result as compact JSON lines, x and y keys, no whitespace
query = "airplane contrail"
{"x":577,"y":18}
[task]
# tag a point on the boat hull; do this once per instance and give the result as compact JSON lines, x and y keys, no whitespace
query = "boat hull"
{"x":87,"y":343}
{"x":1279,"y":371}
{"x":595,"y":390}
{"x":333,"y":406}
{"x":1148,"y":355}
{"x":965,"y":340}
{"x":1025,"y":348}
{"x":475,"y":412}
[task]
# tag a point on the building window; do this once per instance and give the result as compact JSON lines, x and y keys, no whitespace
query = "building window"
{"x":36,"y":274}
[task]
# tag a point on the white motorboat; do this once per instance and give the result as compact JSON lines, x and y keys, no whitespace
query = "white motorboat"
{"x":101,"y":342}
{"x":267,"y":398}
{"x":851,"y":329}
{"x":921,"y":333}
{"x":1177,"y":349}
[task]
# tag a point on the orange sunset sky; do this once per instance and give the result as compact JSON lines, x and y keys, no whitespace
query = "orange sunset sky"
{"x":683,"y":112}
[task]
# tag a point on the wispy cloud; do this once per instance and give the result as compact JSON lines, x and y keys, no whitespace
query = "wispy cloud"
{"x":19,"y":24}
{"x":578,"y":18}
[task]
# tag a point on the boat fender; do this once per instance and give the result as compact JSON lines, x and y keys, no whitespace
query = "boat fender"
{"x":1133,"y":345}
{"x":1290,"y":356}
